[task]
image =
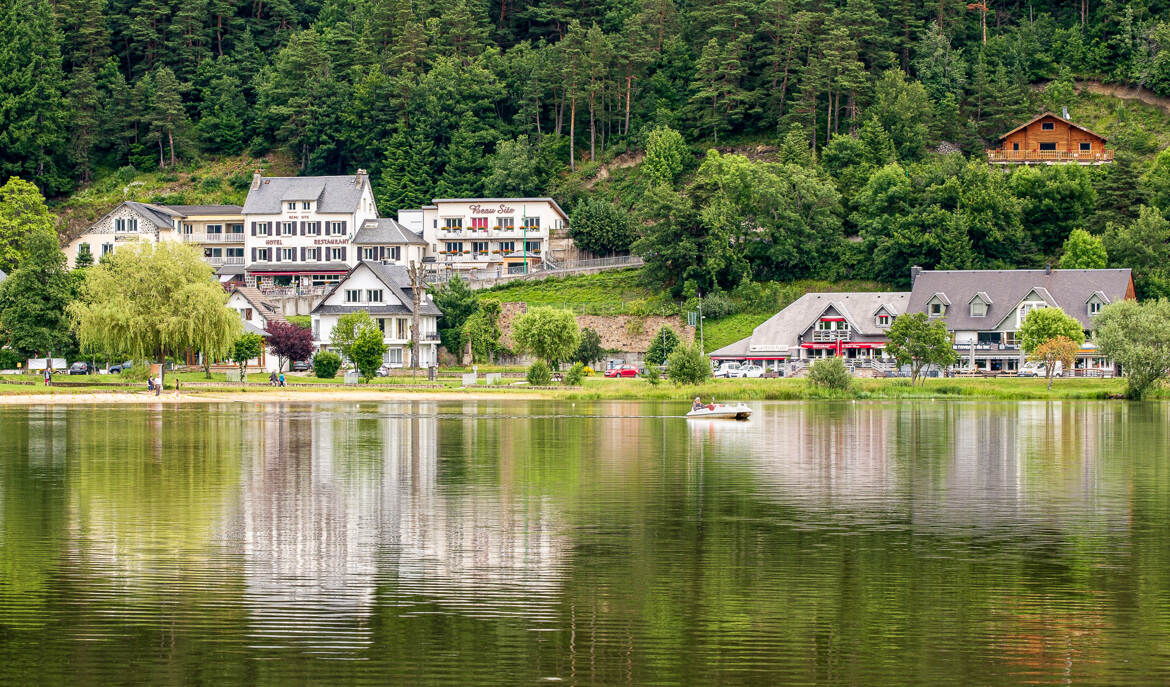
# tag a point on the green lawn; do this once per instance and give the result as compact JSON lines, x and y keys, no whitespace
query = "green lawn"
{"x":617,"y":292}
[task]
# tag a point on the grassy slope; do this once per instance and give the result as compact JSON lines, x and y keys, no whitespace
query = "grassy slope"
{"x":221,"y":181}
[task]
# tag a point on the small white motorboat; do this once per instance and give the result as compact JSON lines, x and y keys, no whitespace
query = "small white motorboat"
{"x":721,"y":411}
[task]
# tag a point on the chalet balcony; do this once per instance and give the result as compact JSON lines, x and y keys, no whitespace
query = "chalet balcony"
{"x":222,"y":237}
{"x":831,"y":335}
{"x":1050,"y":157}
{"x":221,"y":261}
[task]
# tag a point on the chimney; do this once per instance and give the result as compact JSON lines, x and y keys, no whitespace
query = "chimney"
{"x":360,"y":177}
{"x":1048,"y":269}
{"x":1064,"y":111}
{"x":914,"y":272}
{"x":256,"y":180}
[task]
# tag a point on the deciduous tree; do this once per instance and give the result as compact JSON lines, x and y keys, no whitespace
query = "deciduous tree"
{"x":1058,"y":349}
{"x":548,"y":333}
{"x":1136,"y":337}
{"x":33,"y":299}
{"x":917,"y":341}
{"x":1083,"y":251}
{"x":289,"y":342}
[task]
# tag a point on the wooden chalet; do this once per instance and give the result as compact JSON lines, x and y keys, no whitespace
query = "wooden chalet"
{"x":1050,"y":139}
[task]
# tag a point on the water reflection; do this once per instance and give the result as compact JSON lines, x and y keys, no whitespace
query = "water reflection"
{"x":495,"y":542}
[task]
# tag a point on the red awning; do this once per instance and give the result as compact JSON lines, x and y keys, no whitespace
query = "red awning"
{"x":299,"y":274}
{"x":832,"y":319}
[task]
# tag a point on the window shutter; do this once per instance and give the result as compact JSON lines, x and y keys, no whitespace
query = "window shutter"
{"x":303,"y":223}
{"x":343,"y":228}
{"x":343,"y":249}
{"x":253,"y":255}
{"x":253,"y":228}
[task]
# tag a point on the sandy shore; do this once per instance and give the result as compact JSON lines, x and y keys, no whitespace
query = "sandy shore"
{"x":172,"y":397}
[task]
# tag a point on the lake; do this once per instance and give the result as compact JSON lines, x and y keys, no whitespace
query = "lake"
{"x":587,"y":543}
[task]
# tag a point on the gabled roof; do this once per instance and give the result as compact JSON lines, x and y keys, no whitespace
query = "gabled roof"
{"x":1099,"y":295}
{"x":981,"y":295}
{"x":385,"y":231}
{"x":1007,"y":288}
{"x":886,"y":307}
{"x":784,"y":328}
{"x":1049,"y":114}
{"x":159,"y":215}
{"x":397,"y":281}
{"x":264,"y":307}
{"x":333,"y":194}
{"x":940,"y":297}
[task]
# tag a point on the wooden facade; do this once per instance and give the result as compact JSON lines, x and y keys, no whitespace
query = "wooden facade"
{"x":1050,"y":139}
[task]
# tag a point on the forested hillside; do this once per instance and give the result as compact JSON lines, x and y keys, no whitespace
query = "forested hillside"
{"x":484,"y":97}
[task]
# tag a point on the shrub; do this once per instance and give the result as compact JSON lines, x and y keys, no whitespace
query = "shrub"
{"x":664,"y":343}
{"x":240,"y":182}
{"x":126,"y":174}
{"x":652,"y":375}
{"x":326,"y":364}
{"x":634,"y":326}
{"x":830,"y":373}
{"x":715,"y":305}
{"x":211,"y":184}
{"x":9,"y":360}
{"x":539,"y":374}
{"x":688,"y":365}
{"x":574,"y":375}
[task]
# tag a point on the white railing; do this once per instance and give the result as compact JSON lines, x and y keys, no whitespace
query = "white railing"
{"x":219,"y":262}
{"x":831,"y":335}
{"x":294,"y":290}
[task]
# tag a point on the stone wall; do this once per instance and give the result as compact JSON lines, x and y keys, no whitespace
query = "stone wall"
{"x":629,"y":335}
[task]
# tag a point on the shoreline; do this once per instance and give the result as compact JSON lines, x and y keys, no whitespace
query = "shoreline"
{"x":173,"y":398}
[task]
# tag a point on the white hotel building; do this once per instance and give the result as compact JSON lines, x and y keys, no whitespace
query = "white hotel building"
{"x":500,"y":234}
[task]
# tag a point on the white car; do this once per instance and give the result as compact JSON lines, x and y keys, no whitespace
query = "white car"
{"x":1037,"y":369}
{"x":726,"y":369}
{"x":747,"y":371}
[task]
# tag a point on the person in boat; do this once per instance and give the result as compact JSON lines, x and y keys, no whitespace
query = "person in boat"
{"x":697,"y":404}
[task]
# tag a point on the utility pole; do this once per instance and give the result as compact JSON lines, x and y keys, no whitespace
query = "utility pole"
{"x":702,"y":348}
{"x":417,"y":284}
{"x":524,"y":233}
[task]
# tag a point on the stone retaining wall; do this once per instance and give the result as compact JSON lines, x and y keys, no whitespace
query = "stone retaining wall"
{"x":629,"y":335}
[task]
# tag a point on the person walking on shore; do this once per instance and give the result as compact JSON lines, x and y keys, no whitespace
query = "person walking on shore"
{"x":48,"y":376}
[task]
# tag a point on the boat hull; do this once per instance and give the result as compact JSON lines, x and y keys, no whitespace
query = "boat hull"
{"x":721,"y":412}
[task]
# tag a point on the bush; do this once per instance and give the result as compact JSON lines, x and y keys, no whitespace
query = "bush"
{"x":326,"y":364}
{"x":539,"y":374}
{"x":211,"y":184}
{"x":574,"y":375}
{"x":9,"y":360}
{"x":240,"y":182}
{"x":688,"y":365}
{"x":664,"y":343}
{"x":302,"y":321}
{"x":652,"y":375}
{"x":830,"y":373}
{"x":715,"y":305}
{"x":126,"y":174}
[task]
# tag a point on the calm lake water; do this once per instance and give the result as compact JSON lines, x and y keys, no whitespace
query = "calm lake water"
{"x":511,"y":543}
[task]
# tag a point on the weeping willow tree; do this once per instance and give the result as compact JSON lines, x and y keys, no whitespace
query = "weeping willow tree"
{"x":151,"y":300}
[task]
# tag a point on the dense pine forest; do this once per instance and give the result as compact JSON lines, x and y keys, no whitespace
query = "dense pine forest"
{"x":853,"y":100}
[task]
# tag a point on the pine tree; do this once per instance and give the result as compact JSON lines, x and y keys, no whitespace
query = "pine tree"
{"x":405,"y":180}
{"x":167,"y":119}
{"x":32,"y":106}
{"x":83,"y":58}
{"x":463,"y":170}
{"x":718,"y":99}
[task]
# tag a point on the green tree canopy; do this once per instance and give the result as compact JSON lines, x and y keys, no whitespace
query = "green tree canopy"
{"x":548,"y":333}
{"x":1083,"y":251}
{"x":455,"y":299}
{"x":666,"y":155}
{"x":247,"y":346}
{"x":600,"y":227}
{"x":918,"y":341}
{"x":1042,"y":324}
{"x":663,"y":344}
{"x":154,"y":300}
{"x":346,"y":332}
{"x":22,"y":212}
{"x":688,"y":365}
{"x":482,"y":329}
{"x":589,"y":350}
{"x":1142,"y":245}
{"x":367,"y":350}
{"x":1137,"y":337}
{"x":34,"y":298}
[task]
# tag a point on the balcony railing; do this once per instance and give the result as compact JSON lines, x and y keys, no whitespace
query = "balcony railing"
{"x":225,"y":237}
{"x":831,"y":335}
{"x":961,"y":347}
{"x":1022,"y":156}
{"x":221,"y":261}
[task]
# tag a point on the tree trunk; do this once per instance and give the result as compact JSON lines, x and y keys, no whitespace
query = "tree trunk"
{"x":592,"y":131}
{"x":629,"y":87}
{"x":219,"y":33}
{"x":573,"y":134}
{"x":171,"y":141}
{"x":415,"y":272}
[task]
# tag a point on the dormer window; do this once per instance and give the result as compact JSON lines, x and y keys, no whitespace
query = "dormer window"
{"x":1094,"y":307}
{"x":883,"y":320}
{"x":978,"y":308}
{"x":937,"y":309}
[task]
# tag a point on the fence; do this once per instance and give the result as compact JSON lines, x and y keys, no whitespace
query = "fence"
{"x":482,"y":278}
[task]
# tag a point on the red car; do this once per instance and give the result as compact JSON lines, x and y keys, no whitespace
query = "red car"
{"x":623,"y":371}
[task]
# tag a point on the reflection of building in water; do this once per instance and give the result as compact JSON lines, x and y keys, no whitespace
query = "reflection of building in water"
{"x":339,"y":504}
{"x":940,"y":464}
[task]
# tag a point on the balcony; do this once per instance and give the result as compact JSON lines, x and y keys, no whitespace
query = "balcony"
{"x":221,"y":261}
{"x":430,"y":336}
{"x":831,"y":335}
{"x":228,"y":237}
{"x":1086,"y":157}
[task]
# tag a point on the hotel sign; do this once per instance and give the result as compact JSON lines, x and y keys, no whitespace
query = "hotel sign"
{"x":477,"y":209}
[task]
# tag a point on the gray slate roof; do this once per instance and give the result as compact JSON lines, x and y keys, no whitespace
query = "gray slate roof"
{"x":188,"y":210}
{"x":263,"y":306}
{"x":785,"y":327}
{"x":335,"y":194}
{"x":159,"y":215}
{"x":385,"y":231}
{"x":397,"y":281}
{"x":1068,"y":290}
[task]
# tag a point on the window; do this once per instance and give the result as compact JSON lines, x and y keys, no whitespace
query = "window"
{"x":832,"y":325}
{"x":479,"y":246}
{"x":1047,"y":146}
{"x":305,"y":205}
{"x":1015,"y":146}
{"x":479,"y":222}
{"x":505,"y":222}
{"x":262,"y":254}
{"x":262,"y":228}
{"x":234,"y":252}
{"x":985,"y":338}
{"x":107,"y":248}
{"x":978,"y":308}
{"x":187,"y":228}
{"x":532,"y":246}
{"x":288,"y":254}
{"x":883,"y":320}
{"x":236,"y":229}
{"x":401,"y":328}
{"x":369,"y":254}
{"x":507,"y":246}
{"x":312,"y":228}
{"x":336,"y":254}
{"x":292,"y":206}
{"x":335,"y":228}
{"x":1009,"y":339}
{"x":1094,"y":307}
{"x":532,"y":223}
{"x":936,"y":309}
{"x":453,"y":222}
{"x":454,"y":246}
{"x":247,"y":313}
{"x":212,"y":252}
{"x":373,"y":295}
{"x":394,"y":253}
{"x":393,"y":356}
{"x":353,"y":296}
{"x":125,"y":224}
{"x":1048,"y":126}
{"x":1086,"y":146}
{"x":288,"y":228}
{"x":313,"y":254}
{"x":211,"y":228}
{"x":1026,"y":308}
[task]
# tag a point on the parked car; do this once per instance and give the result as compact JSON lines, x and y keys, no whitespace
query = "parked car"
{"x":623,"y":371}
{"x":300,"y":366}
{"x":116,"y":369}
{"x":725,"y":369}
{"x":749,"y":371}
{"x":1037,"y":369}
{"x":80,"y":368}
